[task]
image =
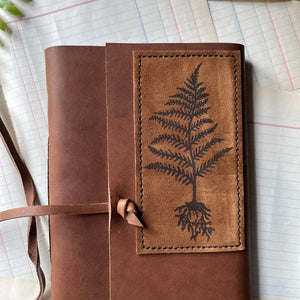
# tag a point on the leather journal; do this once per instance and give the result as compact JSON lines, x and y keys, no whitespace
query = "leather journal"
{"x":147,"y":172}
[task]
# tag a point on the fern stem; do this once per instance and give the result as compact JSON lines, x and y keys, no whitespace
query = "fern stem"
{"x":189,"y":130}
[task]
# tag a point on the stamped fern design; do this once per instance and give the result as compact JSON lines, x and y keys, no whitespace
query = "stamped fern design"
{"x":186,"y":159}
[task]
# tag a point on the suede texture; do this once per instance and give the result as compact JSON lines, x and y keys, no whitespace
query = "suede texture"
{"x":92,"y":158}
{"x":207,"y":276}
{"x":157,"y":75}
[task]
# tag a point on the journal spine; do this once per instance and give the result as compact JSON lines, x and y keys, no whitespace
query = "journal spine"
{"x":78,"y":170}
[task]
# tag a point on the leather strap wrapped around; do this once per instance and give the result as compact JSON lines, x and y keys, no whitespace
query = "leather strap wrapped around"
{"x":43,"y":210}
{"x":31,"y":199}
{"x":128,"y":210}
{"x":37,"y":210}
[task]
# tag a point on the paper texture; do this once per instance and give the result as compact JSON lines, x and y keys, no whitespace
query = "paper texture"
{"x":274,"y":160}
{"x":23,"y":80}
{"x":270,"y":31}
{"x":16,"y":288}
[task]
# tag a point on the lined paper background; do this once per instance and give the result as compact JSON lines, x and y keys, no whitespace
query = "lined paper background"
{"x":270,"y":32}
{"x":274,"y":160}
{"x":82,"y":23}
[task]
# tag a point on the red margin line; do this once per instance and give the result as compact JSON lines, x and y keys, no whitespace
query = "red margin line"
{"x":28,"y":100}
{"x":274,"y":125}
{"x":6,"y":254}
{"x":178,"y":31}
{"x":286,"y":66}
{"x":12,"y":204}
{"x":195,"y":20}
{"x":39,"y":99}
{"x":292,"y":24}
{"x":51,"y":12}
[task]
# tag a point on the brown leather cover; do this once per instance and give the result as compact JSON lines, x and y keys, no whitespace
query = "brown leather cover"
{"x":189,"y":151}
{"x":87,"y":262}
{"x":159,"y":276}
{"x":78,"y":170}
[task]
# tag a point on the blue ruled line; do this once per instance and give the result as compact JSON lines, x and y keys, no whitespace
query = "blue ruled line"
{"x":243,"y":37}
{"x":162,"y":22}
{"x":262,"y":33}
{"x":140,"y":17}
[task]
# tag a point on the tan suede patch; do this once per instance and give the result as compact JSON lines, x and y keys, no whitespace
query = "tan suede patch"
{"x":189,"y":151}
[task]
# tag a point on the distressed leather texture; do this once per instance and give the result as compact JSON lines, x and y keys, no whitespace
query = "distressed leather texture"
{"x":189,"y":151}
{"x":78,"y":171}
{"x":160,"y":276}
{"x":60,"y":209}
{"x":92,"y":153}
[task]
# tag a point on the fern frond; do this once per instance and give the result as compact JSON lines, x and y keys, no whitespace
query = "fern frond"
{"x":178,"y":173}
{"x":211,"y":163}
{"x":201,"y":90}
{"x":165,"y":123}
{"x":181,"y":103}
{"x":179,"y":113}
{"x":200,"y":151}
{"x":10,"y":7}
{"x":194,"y":76}
{"x":187,"y":92}
{"x":182,"y":160}
{"x":200,"y":96}
{"x":200,"y":112}
{"x":201,"y":103}
{"x":189,"y":86}
{"x":199,"y":123}
{"x":183,"y":97}
{"x":2,"y":25}
{"x":198,"y":85}
{"x":189,"y":81}
{"x":174,"y":140}
{"x":202,"y":134}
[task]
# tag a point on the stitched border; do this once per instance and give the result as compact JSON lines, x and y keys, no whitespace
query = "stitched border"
{"x":236,"y":146}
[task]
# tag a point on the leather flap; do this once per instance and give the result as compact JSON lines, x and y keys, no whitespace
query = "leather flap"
{"x":189,"y":151}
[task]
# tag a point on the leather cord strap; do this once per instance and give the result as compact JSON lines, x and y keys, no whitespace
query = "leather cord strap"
{"x":128,"y":211}
{"x":37,"y":210}
{"x":31,"y":199}
{"x":42,"y":210}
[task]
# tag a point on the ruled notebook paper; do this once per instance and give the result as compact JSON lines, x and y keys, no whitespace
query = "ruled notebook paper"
{"x":275,"y":269}
{"x":274,"y":163}
{"x":69,"y":23}
{"x":270,"y":31}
